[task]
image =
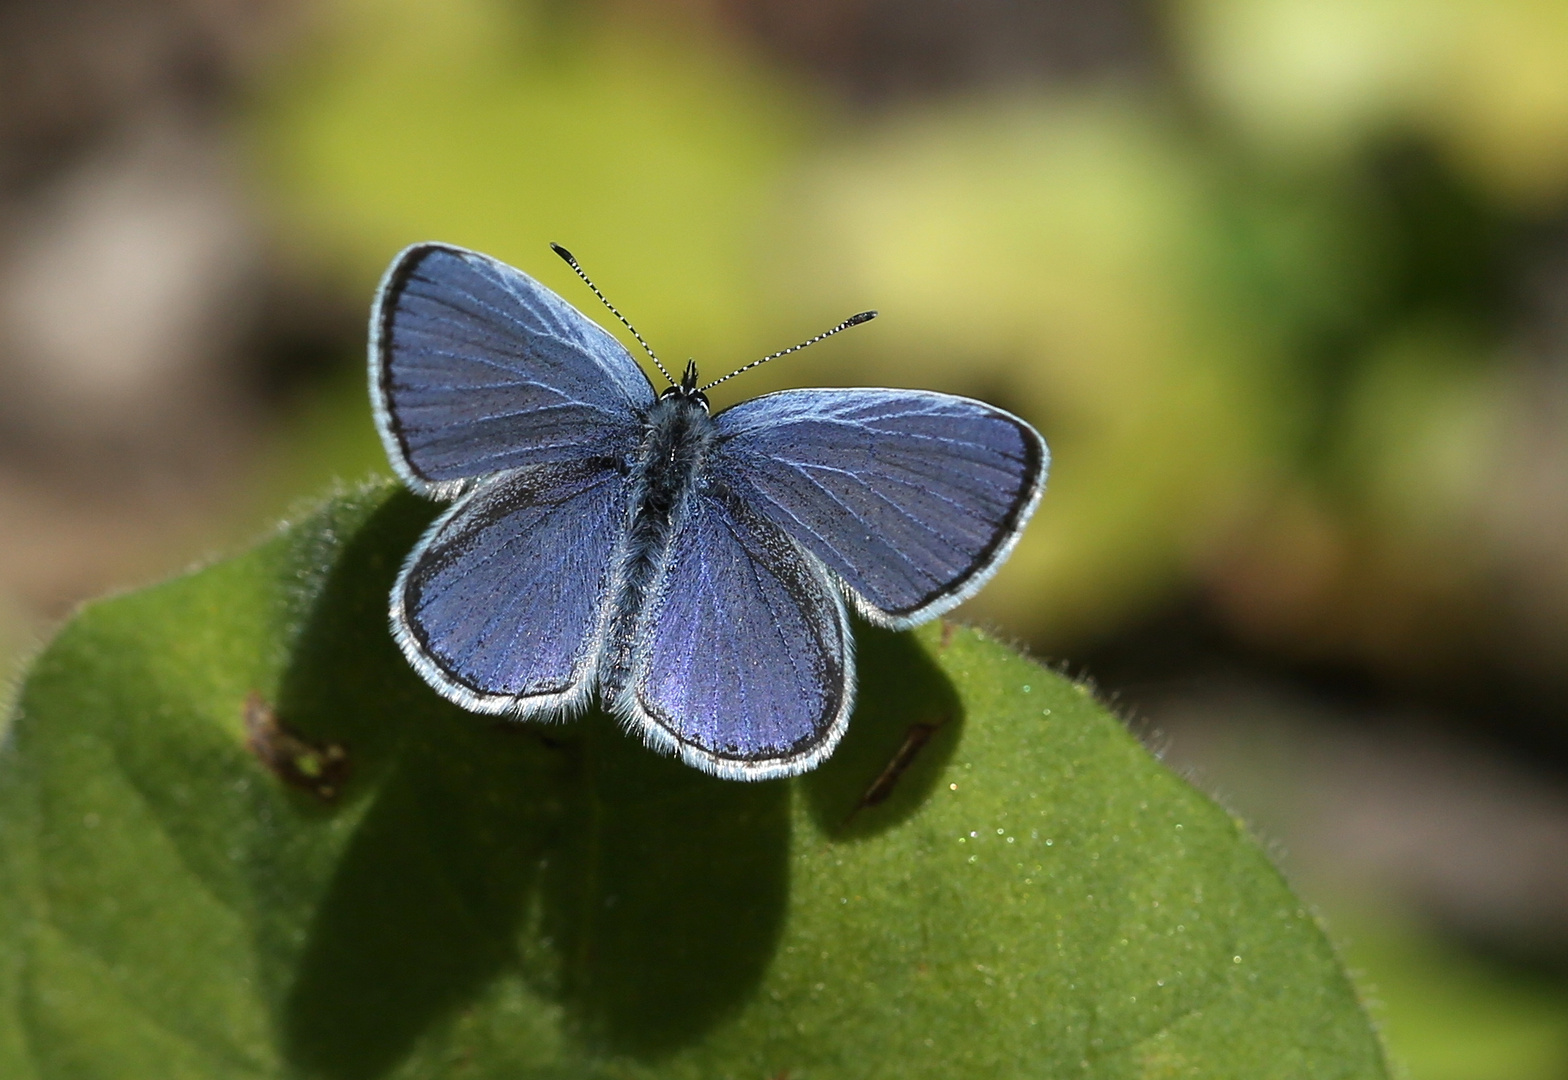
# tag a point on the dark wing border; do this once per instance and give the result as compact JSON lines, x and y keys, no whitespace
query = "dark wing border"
{"x":807,"y":754}
{"x":990,"y":558}
{"x":383,"y":310}
{"x":561,"y":705}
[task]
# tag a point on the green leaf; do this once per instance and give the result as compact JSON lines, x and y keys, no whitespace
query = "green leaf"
{"x":240,"y":838}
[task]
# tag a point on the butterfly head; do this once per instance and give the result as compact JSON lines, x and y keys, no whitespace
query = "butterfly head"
{"x":687,"y":389}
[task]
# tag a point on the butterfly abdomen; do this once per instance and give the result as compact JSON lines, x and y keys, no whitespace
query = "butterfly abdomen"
{"x":664,"y":475}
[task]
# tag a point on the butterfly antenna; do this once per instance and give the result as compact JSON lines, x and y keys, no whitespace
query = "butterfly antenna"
{"x":572,"y":262}
{"x":853,"y":320}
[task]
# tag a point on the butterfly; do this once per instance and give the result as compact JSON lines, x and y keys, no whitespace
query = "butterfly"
{"x":690,"y":570}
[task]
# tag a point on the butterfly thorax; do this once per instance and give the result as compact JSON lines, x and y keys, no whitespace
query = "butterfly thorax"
{"x":678,"y":435}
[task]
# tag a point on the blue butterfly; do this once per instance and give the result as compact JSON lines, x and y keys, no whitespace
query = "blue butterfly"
{"x":689,"y":569}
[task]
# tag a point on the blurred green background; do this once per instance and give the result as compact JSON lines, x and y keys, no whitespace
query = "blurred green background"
{"x":1283,"y":282}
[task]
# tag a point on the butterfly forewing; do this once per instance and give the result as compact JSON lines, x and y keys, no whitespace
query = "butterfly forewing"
{"x":501,"y":605}
{"x":911,"y":498}
{"x":476,"y":368}
{"x":743,"y":663}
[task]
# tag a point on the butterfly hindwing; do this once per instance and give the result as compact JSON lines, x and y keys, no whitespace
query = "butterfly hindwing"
{"x":501,"y":605}
{"x":743,"y":661}
{"x":911,"y":498}
{"x":476,"y":368}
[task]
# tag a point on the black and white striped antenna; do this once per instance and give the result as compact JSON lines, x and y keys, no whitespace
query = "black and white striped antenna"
{"x":853,"y":320}
{"x":572,"y":262}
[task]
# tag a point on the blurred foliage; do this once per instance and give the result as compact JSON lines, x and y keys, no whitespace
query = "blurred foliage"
{"x":1001,"y":246}
{"x":503,"y":126}
{"x":1239,"y":356}
{"x":181,"y":895}
{"x":1312,"y":79}
{"x":1449,"y":1013}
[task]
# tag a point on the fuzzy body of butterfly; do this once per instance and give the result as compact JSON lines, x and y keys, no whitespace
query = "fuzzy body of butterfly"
{"x":689,"y":570}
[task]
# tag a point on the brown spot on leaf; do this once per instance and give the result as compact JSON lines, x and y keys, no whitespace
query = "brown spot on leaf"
{"x":320,"y":768}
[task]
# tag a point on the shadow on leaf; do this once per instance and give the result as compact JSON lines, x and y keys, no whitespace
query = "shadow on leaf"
{"x":644,"y":897}
{"x":670,"y":895}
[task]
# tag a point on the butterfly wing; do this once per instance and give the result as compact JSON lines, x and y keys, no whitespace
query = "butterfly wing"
{"x":911,"y":498}
{"x":743,"y":664}
{"x":501,"y":606}
{"x":476,"y":368}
